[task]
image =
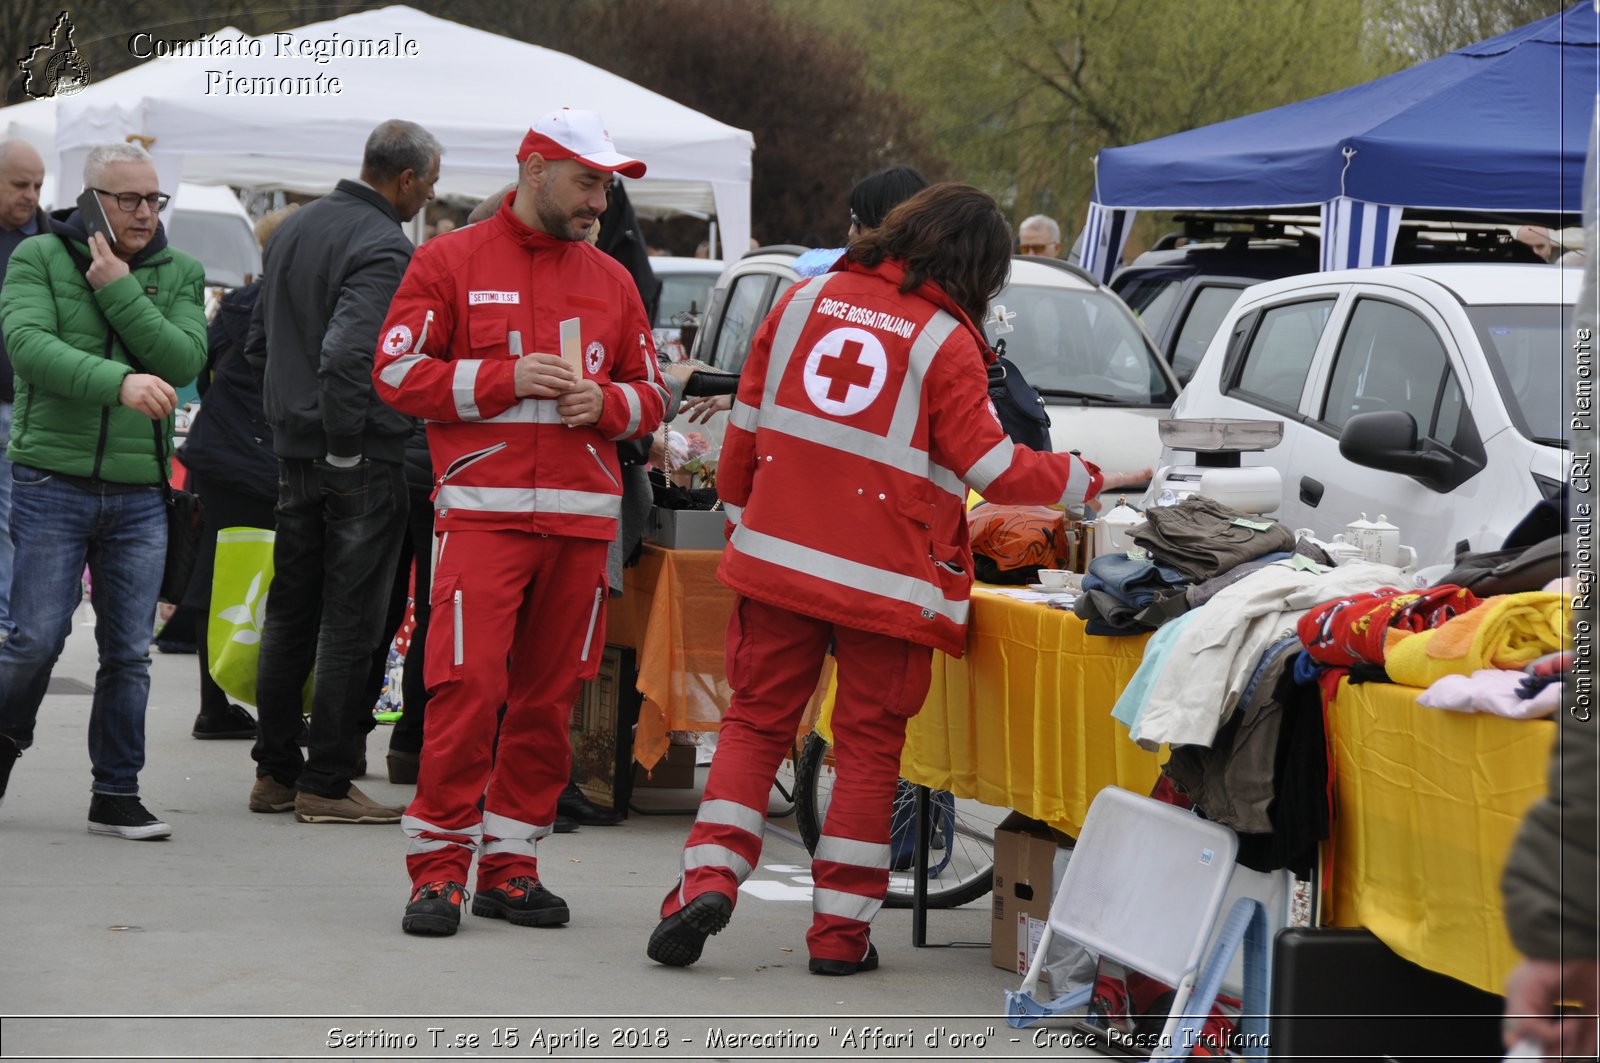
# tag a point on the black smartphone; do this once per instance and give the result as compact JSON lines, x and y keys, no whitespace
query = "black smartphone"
{"x":94,"y":216}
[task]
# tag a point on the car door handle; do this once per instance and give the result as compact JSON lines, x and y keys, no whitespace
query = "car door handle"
{"x":1310,"y":491}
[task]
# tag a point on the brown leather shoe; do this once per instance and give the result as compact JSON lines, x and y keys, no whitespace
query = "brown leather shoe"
{"x":353,"y":807}
{"x":270,"y":795}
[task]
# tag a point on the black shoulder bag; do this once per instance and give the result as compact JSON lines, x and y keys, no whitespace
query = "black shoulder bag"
{"x":1021,"y":408}
{"x":183,"y":507}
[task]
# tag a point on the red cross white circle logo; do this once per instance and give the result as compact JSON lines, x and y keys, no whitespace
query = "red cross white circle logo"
{"x":845,"y":371}
{"x":398,"y":340}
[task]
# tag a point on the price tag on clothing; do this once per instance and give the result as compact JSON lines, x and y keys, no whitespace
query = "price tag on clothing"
{"x":1254,"y":525}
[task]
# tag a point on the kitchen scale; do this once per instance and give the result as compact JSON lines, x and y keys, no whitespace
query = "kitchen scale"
{"x":1218,"y":472}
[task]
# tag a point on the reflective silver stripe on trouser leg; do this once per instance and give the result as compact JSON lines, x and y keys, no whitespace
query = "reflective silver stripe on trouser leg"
{"x":506,"y":835}
{"x":848,"y":851}
{"x":438,"y":838}
{"x":722,"y":813}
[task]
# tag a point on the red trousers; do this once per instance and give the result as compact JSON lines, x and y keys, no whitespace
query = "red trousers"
{"x":774,"y":659}
{"x":518,"y":620}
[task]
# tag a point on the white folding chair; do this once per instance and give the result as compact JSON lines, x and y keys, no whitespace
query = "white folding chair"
{"x":1144,"y":888}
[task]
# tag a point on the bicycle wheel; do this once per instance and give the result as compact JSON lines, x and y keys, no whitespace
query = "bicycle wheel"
{"x":969,"y":872}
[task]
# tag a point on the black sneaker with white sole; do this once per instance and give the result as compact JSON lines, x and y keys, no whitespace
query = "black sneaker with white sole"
{"x":124,"y":816}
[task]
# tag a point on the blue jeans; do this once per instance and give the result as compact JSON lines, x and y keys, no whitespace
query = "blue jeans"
{"x":339,"y":534}
{"x":6,"y":548}
{"x":57,"y":527}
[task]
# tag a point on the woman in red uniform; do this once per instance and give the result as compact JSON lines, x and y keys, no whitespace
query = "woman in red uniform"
{"x":862,"y":417}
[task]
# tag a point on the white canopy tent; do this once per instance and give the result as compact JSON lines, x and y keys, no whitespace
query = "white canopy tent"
{"x":476,"y":91}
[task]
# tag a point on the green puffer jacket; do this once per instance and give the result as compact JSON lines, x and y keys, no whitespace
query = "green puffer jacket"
{"x":67,"y":417}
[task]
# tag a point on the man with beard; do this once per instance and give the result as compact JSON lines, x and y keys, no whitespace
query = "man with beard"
{"x":529,"y":354}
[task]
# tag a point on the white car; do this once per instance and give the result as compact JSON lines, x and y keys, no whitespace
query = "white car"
{"x":1433,"y":395}
{"x":685,"y":290}
{"x":1103,"y":383}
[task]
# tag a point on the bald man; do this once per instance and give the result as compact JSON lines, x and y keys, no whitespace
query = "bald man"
{"x":21,"y":174}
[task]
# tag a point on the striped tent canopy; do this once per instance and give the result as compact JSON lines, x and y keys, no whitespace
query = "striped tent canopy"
{"x":1502,"y":125}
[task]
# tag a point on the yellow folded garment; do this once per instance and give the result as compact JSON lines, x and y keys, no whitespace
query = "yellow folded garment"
{"x":1506,"y":631}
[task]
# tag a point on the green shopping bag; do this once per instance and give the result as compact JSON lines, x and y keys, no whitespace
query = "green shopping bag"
{"x":239,"y":587}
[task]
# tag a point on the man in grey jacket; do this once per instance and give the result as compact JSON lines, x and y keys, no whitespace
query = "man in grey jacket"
{"x":328,"y":276}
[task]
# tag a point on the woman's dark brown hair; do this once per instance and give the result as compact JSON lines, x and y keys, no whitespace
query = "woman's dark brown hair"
{"x":951,"y":234}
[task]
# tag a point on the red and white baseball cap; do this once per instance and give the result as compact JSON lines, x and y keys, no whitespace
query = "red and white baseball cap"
{"x":581,"y":135}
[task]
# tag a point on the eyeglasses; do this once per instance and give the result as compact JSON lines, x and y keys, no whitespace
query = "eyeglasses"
{"x":129,"y":201}
{"x":1033,"y":249}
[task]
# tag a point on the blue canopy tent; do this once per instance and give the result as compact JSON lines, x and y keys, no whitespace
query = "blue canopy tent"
{"x":1502,"y":125}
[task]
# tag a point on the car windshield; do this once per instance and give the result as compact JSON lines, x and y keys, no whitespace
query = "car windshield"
{"x":1072,"y":343}
{"x":683,"y":294}
{"x":1527,"y":351}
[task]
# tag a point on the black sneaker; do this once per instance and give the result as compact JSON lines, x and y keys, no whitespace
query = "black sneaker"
{"x":9,"y":755}
{"x":124,"y":816}
{"x":522,"y":901}
{"x":840,"y":968}
{"x":434,"y":909}
{"x":563,"y":825}
{"x":232,"y":722}
{"x":678,"y":939}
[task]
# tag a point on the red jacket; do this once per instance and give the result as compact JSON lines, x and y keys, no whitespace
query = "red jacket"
{"x":445,"y":355}
{"x":863,"y":416}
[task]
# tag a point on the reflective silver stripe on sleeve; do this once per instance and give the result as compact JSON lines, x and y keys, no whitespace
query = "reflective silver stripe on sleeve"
{"x":528,"y":500}
{"x":908,"y":589}
{"x":464,"y":389}
{"x":1077,"y":484}
{"x":735,"y":513}
{"x":989,"y":468}
{"x":788,"y":333}
{"x":394,"y":374}
{"x":527,"y":411}
{"x":742,"y":416}
{"x":635,"y":410}
{"x":732,"y":814}
{"x":850,"y":851}
{"x":908,"y":407}
{"x":716,"y":856}
{"x":844,"y":905}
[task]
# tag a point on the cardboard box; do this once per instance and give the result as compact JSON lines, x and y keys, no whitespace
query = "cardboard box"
{"x":675,"y":771}
{"x":1029,"y":859}
{"x":686,"y":529}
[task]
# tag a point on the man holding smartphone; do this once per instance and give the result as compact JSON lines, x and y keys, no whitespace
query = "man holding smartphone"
{"x":101,"y":329}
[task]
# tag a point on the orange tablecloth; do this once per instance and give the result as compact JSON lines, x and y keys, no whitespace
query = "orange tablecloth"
{"x":674,"y":614}
{"x":1024,"y":721}
{"x":1426,"y":804}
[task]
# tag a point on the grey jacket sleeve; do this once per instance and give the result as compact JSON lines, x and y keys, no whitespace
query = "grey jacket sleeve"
{"x":350,"y":344}
{"x":1551,"y":875}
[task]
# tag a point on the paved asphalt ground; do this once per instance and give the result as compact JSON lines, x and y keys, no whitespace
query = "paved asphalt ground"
{"x":250,"y":936}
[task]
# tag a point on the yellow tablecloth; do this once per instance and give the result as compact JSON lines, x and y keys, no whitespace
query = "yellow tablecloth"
{"x":1426,"y":803}
{"x":1024,"y":721}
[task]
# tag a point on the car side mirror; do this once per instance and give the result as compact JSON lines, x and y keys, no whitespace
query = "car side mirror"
{"x":1387,"y":439}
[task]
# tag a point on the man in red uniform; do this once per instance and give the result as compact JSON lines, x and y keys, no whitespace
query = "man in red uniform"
{"x":862,"y":418}
{"x":527,"y":499}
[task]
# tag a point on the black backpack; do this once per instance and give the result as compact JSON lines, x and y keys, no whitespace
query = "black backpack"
{"x":1021,"y":408}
